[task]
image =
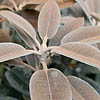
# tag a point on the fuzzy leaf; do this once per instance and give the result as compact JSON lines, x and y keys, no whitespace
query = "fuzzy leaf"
{"x":69,"y":26}
{"x":76,"y":95}
{"x":93,"y":6}
{"x":10,"y":51}
{"x":89,"y":34}
{"x":32,"y":60}
{"x":52,"y":85}
{"x":25,"y":37}
{"x":19,"y":78}
{"x":87,"y":91}
{"x":20,"y":22}
{"x":67,"y":19}
{"x":49,"y":19}
{"x":80,"y":51}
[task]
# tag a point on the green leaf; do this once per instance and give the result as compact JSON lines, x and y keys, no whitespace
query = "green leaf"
{"x":18,"y":78}
{"x":7,"y":98}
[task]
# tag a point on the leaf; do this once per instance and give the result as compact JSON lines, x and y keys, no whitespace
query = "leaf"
{"x":76,"y":10}
{"x":76,"y":95}
{"x":7,"y":98}
{"x":4,"y":7}
{"x":10,"y":51}
{"x":51,"y":86}
{"x":16,"y":62}
{"x":32,"y":60}
{"x":29,"y":3}
{"x":93,"y":5}
{"x":96,"y":16}
{"x":67,"y":19}
{"x":25,"y":37}
{"x":85,"y":8}
{"x":88,"y":92}
{"x":49,"y":19}
{"x":20,"y":22}
{"x":89,"y":34}
{"x":19,"y":78}
{"x":69,"y":26}
{"x":80,"y":51}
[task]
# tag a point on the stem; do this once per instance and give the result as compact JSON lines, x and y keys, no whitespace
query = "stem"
{"x":38,"y":44}
{"x":36,"y":52}
{"x":14,"y":4}
{"x":29,"y":66}
{"x":49,"y":48}
{"x":44,"y":66}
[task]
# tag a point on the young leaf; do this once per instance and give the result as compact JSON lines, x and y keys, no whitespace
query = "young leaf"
{"x":80,"y":51}
{"x":87,"y":91}
{"x":55,"y":87}
{"x":69,"y":26}
{"x":89,"y":34}
{"x":10,"y":51}
{"x":49,"y":19}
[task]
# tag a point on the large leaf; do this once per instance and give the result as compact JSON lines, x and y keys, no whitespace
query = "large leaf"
{"x":80,"y":51}
{"x":49,"y":19}
{"x":52,"y":85}
{"x":89,"y":34}
{"x":88,"y":92}
{"x":19,"y":78}
{"x":20,"y":22}
{"x":25,"y":37}
{"x":69,"y":25}
{"x":10,"y":51}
